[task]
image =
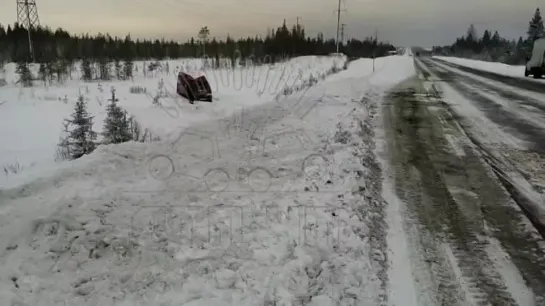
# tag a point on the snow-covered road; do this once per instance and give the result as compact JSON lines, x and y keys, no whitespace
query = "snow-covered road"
{"x":516,"y":73}
{"x":278,"y":205}
{"x":461,"y":196}
{"x":506,"y":119}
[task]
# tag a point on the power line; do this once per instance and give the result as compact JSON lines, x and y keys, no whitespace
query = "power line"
{"x":338,"y":23}
{"x":27,"y":16}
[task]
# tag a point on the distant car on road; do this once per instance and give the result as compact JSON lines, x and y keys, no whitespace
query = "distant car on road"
{"x":535,"y":65}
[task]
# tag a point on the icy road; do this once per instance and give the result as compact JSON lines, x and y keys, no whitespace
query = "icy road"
{"x":465,"y":151}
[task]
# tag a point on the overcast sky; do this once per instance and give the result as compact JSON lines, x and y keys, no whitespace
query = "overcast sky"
{"x":402,"y":22}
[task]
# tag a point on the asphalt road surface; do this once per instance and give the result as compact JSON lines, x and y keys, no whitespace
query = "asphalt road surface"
{"x":472,"y":234}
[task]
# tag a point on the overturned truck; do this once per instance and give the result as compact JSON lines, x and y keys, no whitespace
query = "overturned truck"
{"x":194,"y":89}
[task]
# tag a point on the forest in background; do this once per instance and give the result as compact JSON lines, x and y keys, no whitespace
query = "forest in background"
{"x":283,"y":42}
{"x":492,"y":47}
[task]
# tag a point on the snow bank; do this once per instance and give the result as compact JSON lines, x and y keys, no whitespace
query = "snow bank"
{"x":32,"y":118}
{"x":103,"y":231}
{"x":499,"y":68}
{"x":234,"y":89}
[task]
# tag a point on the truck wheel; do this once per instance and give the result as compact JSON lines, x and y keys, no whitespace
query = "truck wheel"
{"x":161,"y":167}
{"x":537,"y":75}
{"x":260,"y":179}
{"x":217,"y":180}
{"x":315,"y":166}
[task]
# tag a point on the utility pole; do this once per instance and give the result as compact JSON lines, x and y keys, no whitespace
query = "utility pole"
{"x":375,"y":43}
{"x":342,"y":32}
{"x":27,"y":16}
{"x":338,"y":23}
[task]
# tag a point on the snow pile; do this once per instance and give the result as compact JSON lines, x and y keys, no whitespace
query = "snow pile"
{"x":233,"y":89}
{"x":103,"y":231}
{"x":499,"y":68}
{"x":33,"y":117}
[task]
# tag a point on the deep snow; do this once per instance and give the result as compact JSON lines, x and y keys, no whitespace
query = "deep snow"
{"x":102,"y":230}
{"x":32,"y":117}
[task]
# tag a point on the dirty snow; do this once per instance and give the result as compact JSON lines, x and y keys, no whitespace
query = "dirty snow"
{"x":520,"y":91}
{"x":503,"y":146}
{"x":402,"y":290}
{"x":489,"y":132}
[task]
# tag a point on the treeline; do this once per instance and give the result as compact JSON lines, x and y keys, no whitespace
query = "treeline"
{"x":59,"y":45}
{"x":492,"y":47}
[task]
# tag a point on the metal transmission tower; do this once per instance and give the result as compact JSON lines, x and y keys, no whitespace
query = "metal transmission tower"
{"x":27,"y":17}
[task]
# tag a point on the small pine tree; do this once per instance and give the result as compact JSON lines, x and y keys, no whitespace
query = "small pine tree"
{"x":61,"y":70}
{"x":70,"y":67}
{"x":81,"y":138}
{"x":471,"y":33}
{"x":50,"y":69}
{"x":495,"y":41}
{"x":42,"y":73}
{"x":117,"y":126}
{"x":535,"y":27}
{"x":128,"y":68}
{"x":487,"y":36}
{"x":104,"y":68}
{"x":520,"y":52}
{"x":25,"y":76}
{"x":217,"y":61}
{"x":118,"y":70}
{"x":87,"y":72}
{"x":2,"y":73}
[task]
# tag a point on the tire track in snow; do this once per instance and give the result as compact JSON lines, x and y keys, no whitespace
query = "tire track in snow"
{"x":509,"y":225}
{"x":432,"y":273}
{"x":503,"y":218}
{"x":505,"y":91}
{"x":495,"y":112}
{"x":446,"y":216}
{"x":527,"y":84}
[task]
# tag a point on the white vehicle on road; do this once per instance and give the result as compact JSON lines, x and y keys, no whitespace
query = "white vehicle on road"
{"x":535,"y":65}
